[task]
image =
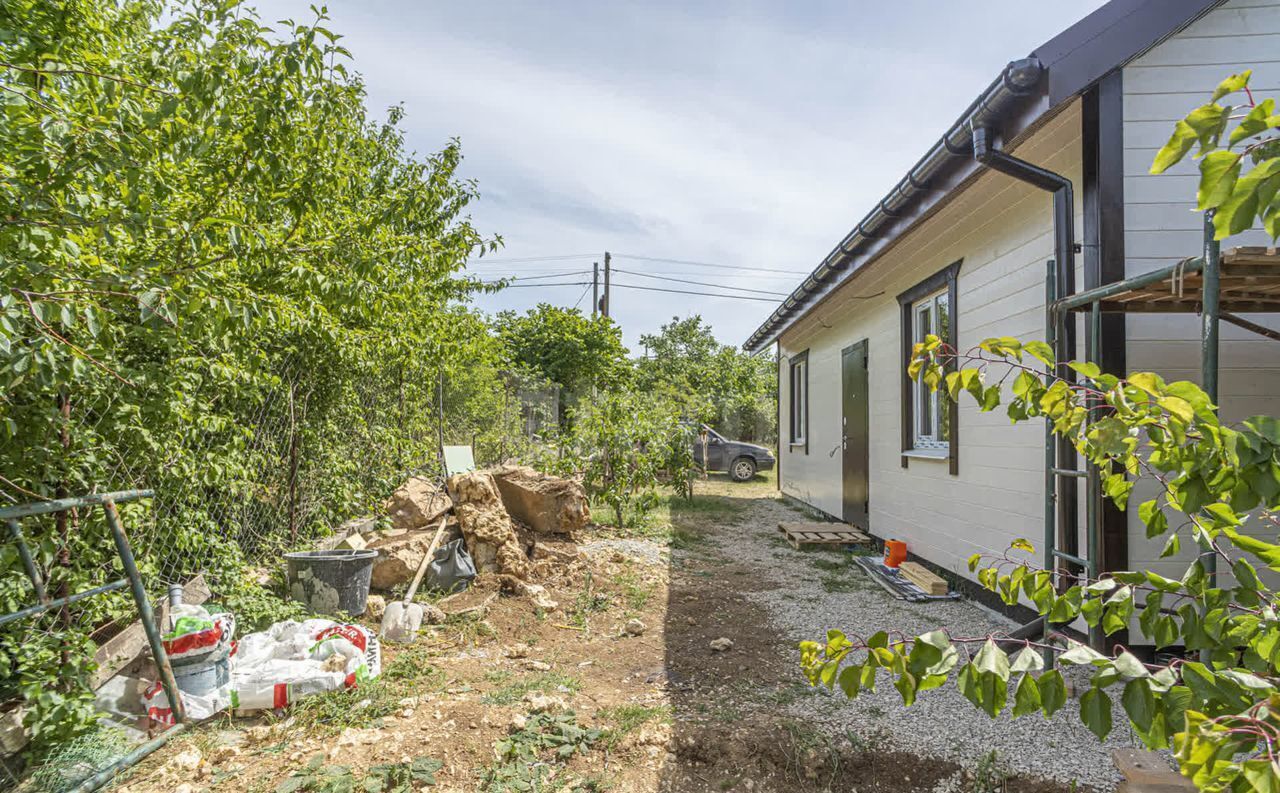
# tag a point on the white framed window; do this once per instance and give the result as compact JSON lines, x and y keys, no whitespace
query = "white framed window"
{"x":931,"y":315}
{"x":799,"y":399}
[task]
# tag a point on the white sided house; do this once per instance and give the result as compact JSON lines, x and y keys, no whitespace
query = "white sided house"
{"x":961,"y":249}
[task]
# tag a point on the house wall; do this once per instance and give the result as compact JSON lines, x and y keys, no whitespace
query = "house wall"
{"x":1160,"y":227}
{"x":1003,"y":231}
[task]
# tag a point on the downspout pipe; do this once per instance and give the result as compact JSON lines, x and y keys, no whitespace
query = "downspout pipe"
{"x":1064,"y":253}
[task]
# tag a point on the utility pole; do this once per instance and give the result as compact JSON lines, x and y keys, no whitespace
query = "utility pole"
{"x":605,"y":306}
{"x":595,"y":288}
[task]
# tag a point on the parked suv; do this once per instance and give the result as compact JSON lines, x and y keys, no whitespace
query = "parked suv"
{"x":740,"y":460}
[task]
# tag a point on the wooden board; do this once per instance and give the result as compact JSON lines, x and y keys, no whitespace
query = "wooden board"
{"x":921,"y":576}
{"x":814,"y":533}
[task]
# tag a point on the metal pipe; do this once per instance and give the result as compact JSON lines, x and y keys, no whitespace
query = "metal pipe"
{"x":1241,"y":322}
{"x":1089,"y":296}
{"x":145,"y":614}
{"x":64,"y":504}
{"x":109,"y":773}
{"x":1050,"y":453}
{"x":28,"y":561}
{"x":1070,"y":557}
{"x":1093,"y":488}
{"x":1209,"y":300}
{"x":34,"y":611}
{"x":1064,"y":247}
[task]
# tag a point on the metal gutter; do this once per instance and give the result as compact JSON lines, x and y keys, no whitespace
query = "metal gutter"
{"x":1021,"y":78}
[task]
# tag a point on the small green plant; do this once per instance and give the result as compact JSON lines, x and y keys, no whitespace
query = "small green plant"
{"x":316,"y":777}
{"x":512,"y":693}
{"x":588,"y":601}
{"x":989,"y":776}
{"x":627,"y":719}
{"x":529,"y":756}
{"x":634,"y":592}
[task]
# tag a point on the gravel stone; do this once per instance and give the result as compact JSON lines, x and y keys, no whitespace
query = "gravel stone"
{"x":642,"y":550}
{"x":942,"y":723}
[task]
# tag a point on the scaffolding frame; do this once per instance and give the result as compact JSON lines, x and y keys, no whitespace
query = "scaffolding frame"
{"x":1256,"y":289}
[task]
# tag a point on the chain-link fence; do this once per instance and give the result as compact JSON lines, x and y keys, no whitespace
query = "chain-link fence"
{"x":242,"y":476}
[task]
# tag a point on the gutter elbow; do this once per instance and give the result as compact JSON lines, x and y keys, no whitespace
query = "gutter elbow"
{"x":982,"y":147}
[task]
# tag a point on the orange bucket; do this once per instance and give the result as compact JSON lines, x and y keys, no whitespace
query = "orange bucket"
{"x":895,"y":553}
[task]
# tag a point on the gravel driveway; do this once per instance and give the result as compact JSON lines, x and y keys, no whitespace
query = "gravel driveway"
{"x":812,"y":591}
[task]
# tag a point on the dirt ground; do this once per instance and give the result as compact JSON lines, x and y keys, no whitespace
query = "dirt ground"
{"x":628,"y":652}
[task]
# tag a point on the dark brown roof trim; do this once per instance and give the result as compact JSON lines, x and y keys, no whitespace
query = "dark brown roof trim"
{"x":1018,"y":100}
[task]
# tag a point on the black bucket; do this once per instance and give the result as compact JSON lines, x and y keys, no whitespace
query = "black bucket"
{"x":331,"y":581}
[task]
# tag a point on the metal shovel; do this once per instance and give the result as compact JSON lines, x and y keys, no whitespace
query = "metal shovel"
{"x":402,"y":619}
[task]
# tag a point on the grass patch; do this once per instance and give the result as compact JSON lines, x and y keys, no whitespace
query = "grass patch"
{"x":547,"y":682}
{"x":840,"y":573}
{"x":626,"y":719}
{"x":634,"y":592}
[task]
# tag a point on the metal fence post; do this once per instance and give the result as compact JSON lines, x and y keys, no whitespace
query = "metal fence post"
{"x":144,"y":611}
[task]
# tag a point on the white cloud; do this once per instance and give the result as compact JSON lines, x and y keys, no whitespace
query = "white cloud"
{"x":754,"y":137}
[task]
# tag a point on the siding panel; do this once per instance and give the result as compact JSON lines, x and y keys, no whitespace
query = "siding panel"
{"x":1161,"y":86}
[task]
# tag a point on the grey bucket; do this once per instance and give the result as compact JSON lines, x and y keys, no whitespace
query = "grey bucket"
{"x":205,"y":674}
{"x":331,"y":581}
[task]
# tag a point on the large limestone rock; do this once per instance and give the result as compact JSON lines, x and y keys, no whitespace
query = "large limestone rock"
{"x":492,"y":539}
{"x":398,"y":558}
{"x":417,"y":504}
{"x":547,"y":504}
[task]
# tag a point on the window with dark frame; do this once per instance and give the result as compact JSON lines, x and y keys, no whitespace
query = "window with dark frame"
{"x":799,"y":400}
{"x":930,"y":423}
{"x":931,"y":317}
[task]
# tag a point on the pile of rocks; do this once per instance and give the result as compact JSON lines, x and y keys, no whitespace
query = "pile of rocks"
{"x":519,"y":525}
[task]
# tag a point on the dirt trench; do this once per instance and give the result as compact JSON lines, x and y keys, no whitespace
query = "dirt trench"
{"x":628,"y":652}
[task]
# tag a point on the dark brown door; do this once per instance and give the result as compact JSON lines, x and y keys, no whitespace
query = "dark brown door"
{"x":855,"y":441}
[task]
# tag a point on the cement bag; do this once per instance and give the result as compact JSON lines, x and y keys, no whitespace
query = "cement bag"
{"x":452,"y":569}
{"x":292,"y":660}
{"x":282,"y":664}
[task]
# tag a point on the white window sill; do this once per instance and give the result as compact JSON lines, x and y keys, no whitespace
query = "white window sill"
{"x":928,"y":454}
{"x":797,"y":444}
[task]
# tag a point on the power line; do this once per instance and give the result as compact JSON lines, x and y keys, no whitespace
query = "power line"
{"x":584,"y":294}
{"x":710,"y":264}
{"x":637,"y":257}
{"x":700,"y":294}
{"x":548,"y":275}
{"x":557,"y":258}
{"x":698,"y":283}
{"x":632,"y":286}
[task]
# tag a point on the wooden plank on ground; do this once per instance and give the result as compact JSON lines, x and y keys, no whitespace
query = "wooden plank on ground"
{"x":922,"y":577}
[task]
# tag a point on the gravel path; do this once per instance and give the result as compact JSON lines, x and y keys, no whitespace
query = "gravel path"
{"x":646,"y":551}
{"x":942,"y":723}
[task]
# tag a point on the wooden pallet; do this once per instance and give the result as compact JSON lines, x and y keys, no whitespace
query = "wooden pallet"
{"x":799,"y":534}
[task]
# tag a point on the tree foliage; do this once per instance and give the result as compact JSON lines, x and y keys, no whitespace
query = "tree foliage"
{"x":734,"y":392}
{"x":566,"y":347}
{"x":1218,"y":486}
{"x":201,"y":230}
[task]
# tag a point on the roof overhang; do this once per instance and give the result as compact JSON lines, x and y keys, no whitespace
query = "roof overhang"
{"x":1027,"y":93}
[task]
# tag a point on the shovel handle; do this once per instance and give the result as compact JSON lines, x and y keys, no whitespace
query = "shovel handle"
{"x":426,"y":560}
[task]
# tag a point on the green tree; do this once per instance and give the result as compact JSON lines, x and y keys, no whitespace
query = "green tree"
{"x":566,"y":347}
{"x":1217,"y":485}
{"x":201,"y":229}
{"x":716,"y":383}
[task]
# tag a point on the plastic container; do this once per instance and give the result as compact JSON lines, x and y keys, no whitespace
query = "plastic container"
{"x":895,"y":553}
{"x":205,"y":675}
{"x":331,"y":582}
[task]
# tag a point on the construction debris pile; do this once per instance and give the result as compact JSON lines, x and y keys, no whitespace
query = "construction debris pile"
{"x":517,"y":525}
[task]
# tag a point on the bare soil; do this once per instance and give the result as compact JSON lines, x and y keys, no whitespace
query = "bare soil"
{"x":676,"y":715}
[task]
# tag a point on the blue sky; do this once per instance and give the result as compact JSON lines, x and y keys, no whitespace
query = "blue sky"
{"x":748,"y":134}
